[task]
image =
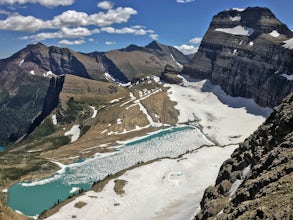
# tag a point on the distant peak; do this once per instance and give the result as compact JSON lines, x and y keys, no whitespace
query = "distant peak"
{"x":37,"y":45}
{"x":154,"y":45}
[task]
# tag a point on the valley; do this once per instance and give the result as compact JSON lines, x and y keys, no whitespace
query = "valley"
{"x":144,"y":132}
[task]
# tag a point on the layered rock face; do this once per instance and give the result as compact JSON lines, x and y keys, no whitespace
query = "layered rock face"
{"x":245,"y":52}
{"x":257,"y":181}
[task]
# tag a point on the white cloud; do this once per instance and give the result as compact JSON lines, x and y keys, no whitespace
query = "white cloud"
{"x":3,"y":12}
{"x":47,"y":3}
{"x":127,"y":30}
{"x":184,"y":1}
{"x":65,"y":32}
{"x":75,"y":42}
{"x":110,"y":42}
{"x":105,"y":5}
{"x":75,"y":32}
{"x":91,"y":40}
{"x":187,"y":49}
{"x":154,"y":36}
{"x":68,"y":18}
{"x":17,"y":22}
{"x":195,"y":40}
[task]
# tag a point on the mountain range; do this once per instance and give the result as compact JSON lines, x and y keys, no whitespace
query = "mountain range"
{"x":46,"y":91}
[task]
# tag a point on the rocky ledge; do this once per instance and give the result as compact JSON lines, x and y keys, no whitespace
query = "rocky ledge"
{"x":257,"y":181}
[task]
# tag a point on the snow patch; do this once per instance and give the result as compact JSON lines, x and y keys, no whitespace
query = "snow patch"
{"x":178,"y":64}
{"x":62,"y":166}
{"x":54,"y":119}
{"x":274,"y":33}
{"x":21,"y":62}
{"x":238,"y":182}
{"x":74,"y":132}
{"x":95,"y":111}
{"x":251,"y":43}
{"x":119,"y":121}
{"x":236,"y":18}
{"x":115,"y":100}
{"x":288,"y":77}
{"x":238,"y":30}
{"x":235,"y":186}
{"x":109,"y":77}
{"x":207,"y":106}
{"x":32,"y":72}
{"x":49,"y":74}
{"x":288,"y":44}
{"x":5,"y":190}
{"x":238,"y":9}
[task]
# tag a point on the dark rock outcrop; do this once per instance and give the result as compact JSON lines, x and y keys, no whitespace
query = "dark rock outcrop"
{"x":257,"y":181}
{"x":51,"y":101}
{"x":170,"y":75}
{"x":244,"y":53}
{"x":22,"y":97}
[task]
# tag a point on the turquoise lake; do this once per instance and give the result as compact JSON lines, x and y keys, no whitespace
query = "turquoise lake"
{"x":33,"y":198}
{"x":2,"y":149}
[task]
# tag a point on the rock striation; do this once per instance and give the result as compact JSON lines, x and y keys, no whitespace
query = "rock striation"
{"x":257,"y":181}
{"x":245,"y":52}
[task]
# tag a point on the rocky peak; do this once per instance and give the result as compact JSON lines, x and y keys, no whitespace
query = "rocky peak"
{"x":243,"y":51}
{"x":155,"y":45}
{"x":261,"y":20}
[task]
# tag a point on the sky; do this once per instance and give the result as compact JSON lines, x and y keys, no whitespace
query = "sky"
{"x":97,"y":25}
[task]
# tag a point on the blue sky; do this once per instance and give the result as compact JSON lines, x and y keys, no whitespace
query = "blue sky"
{"x":92,"y":25}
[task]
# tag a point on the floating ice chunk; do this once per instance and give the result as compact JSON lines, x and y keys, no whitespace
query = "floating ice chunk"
{"x":74,"y":189}
{"x":237,"y":30}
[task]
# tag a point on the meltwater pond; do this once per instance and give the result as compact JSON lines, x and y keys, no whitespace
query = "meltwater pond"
{"x":2,"y":149}
{"x":34,"y":197}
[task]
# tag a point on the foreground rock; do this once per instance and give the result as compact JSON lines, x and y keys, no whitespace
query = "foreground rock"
{"x":247,"y":53}
{"x":257,"y":181}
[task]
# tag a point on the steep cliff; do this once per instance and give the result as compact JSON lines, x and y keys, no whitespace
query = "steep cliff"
{"x":51,"y":101}
{"x":257,"y":181}
{"x":247,"y":53}
{"x":22,"y":97}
